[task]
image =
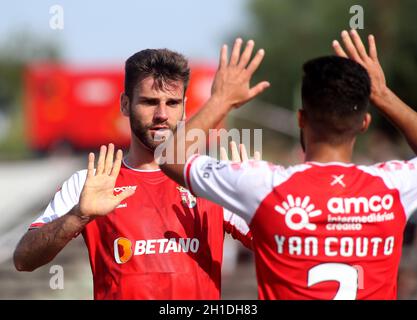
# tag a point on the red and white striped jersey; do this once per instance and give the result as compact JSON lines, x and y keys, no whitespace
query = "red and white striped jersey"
{"x":160,"y":243}
{"x":320,"y":230}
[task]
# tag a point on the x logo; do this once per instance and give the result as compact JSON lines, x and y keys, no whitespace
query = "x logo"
{"x":338,"y":180}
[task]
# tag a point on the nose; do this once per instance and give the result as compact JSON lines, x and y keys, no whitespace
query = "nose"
{"x":161,"y":114}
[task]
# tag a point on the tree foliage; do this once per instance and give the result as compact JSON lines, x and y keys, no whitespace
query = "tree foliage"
{"x":293,"y":32}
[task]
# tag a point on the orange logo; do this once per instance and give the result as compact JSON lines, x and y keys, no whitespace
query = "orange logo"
{"x":122,"y":250}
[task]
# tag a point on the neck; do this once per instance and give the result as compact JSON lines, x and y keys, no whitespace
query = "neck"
{"x":324,"y":152}
{"x":139,"y":156}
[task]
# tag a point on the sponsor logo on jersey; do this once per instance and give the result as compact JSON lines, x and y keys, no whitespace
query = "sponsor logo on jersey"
{"x":118,"y":190}
{"x":297,"y":212}
{"x":343,"y":213}
{"x":121,"y":189}
{"x":339,"y":205}
{"x":187,"y":198}
{"x":124,"y":249}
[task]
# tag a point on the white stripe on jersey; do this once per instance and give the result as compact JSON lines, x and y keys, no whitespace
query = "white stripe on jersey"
{"x":399,"y":175}
{"x":239,"y":187}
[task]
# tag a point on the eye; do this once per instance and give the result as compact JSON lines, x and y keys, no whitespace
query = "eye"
{"x":173,"y":103}
{"x":150,"y":102}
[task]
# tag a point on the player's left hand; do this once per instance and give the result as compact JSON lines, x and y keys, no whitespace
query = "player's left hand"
{"x":355,"y":49}
{"x":231,"y":83}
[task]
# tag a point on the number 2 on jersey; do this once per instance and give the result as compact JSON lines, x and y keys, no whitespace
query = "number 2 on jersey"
{"x":345,"y":275}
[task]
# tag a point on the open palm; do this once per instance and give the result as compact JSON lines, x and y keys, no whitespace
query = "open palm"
{"x":97,"y":197}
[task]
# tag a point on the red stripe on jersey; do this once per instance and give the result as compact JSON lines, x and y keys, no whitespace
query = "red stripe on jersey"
{"x":36,"y":225}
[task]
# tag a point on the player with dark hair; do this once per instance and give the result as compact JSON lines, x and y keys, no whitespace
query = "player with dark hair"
{"x":326,"y":228}
{"x":147,"y":236}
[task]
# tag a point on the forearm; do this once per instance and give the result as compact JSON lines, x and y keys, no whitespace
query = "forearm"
{"x":210,"y":115}
{"x":231,"y":89}
{"x":400,"y":114}
{"x":39,"y":246}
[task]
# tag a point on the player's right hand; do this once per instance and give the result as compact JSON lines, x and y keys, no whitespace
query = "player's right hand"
{"x":355,"y":50}
{"x":97,"y":197}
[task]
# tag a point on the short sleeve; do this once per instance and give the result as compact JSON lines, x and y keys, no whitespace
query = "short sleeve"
{"x":238,"y":187}
{"x":64,"y":200}
{"x":402,"y":176}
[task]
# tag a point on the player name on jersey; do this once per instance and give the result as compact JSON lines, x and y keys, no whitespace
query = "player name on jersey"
{"x":335,"y":246}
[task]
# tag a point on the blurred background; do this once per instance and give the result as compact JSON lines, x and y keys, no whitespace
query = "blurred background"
{"x":61,"y":73}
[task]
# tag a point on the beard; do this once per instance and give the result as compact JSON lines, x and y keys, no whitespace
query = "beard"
{"x":142,"y":132}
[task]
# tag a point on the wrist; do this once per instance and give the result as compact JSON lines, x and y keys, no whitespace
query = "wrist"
{"x":76,"y":211}
{"x":382,"y":97}
{"x":221,"y":103}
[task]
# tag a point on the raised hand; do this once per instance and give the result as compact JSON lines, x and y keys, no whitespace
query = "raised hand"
{"x":397,"y":111}
{"x":97,"y":197}
{"x":237,"y":155}
{"x":355,"y":50}
{"x":232,"y":81}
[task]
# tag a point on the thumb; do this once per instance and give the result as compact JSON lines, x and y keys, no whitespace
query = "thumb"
{"x":258,"y":89}
{"x":125,"y":194}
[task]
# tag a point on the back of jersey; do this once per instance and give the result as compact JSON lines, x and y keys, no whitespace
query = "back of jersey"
{"x":320,"y":230}
{"x":330,"y":231}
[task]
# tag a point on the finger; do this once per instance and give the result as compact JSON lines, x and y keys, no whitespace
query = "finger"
{"x":125,"y":194}
{"x":117,"y":164}
{"x":100,"y":162}
{"x":373,"y":52}
{"x":235,"y":152}
{"x":108,"y":165}
{"x":360,"y":48}
{"x":349,"y":47}
{"x":235,"y":52}
{"x":247,"y":53}
{"x":339,"y":50}
{"x":243,"y":153}
{"x":257,"y":156}
{"x":223,"y":154}
{"x":256,"y":61}
{"x":258,"y":89}
{"x":223,"y":57}
{"x":90,"y":167}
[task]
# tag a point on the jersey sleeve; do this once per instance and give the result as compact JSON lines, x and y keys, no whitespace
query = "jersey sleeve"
{"x":402,"y":176}
{"x":64,"y":200}
{"x":238,"y":187}
{"x":237,"y":228}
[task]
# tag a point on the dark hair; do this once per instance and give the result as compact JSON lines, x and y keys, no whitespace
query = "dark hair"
{"x":335,"y":94}
{"x":162,"y":64}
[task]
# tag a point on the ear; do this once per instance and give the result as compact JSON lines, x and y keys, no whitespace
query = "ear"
{"x":366,"y":122}
{"x":124,"y":104}
{"x":301,"y":118}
